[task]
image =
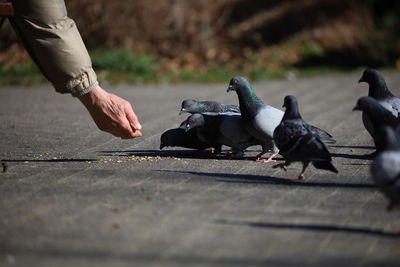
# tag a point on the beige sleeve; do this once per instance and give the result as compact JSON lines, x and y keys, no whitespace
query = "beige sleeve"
{"x":54,"y":43}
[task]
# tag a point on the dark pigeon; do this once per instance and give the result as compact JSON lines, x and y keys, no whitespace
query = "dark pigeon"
{"x":180,"y":138}
{"x":297,"y":141}
{"x":221,"y":129}
{"x":385,"y":168}
{"x":259,"y":119}
{"x":378,"y":117}
{"x":192,"y":106}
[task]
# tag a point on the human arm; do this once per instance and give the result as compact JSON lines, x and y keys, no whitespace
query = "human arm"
{"x":55,"y":45}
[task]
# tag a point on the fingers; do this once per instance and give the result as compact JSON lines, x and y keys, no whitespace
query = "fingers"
{"x":124,"y":130}
{"x":132,"y":118}
{"x":130,"y":125}
{"x":112,"y":114}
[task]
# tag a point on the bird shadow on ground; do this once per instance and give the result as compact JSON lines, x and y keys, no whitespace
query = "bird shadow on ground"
{"x":311,"y":227}
{"x":349,"y":156}
{"x":265,"y":179}
{"x":354,"y":147}
{"x":183,"y":154}
{"x":45,"y":160}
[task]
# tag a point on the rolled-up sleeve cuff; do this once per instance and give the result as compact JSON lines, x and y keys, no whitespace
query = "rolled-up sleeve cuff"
{"x":82,"y":84}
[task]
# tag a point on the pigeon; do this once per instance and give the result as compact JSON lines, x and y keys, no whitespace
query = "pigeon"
{"x":192,"y":106}
{"x":379,"y":90}
{"x":385,"y":168}
{"x":221,"y":129}
{"x":179,"y":137}
{"x":298,"y":141}
{"x":259,"y":119}
{"x":378,"y":117}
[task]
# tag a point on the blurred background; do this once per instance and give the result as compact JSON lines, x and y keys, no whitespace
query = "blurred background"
{"x":138,"y":41}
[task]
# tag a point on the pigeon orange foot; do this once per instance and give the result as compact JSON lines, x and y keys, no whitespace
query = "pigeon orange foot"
{"x":270,"y":159}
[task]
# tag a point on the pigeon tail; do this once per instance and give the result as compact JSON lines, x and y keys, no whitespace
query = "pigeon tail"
{"x":325,"y":165}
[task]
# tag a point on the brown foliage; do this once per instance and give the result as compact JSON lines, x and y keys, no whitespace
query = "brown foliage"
{"x":187,"y":34}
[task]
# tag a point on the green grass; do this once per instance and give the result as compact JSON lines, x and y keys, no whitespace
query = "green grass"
{"x":121,"y":66}
{"x":21,"y":74}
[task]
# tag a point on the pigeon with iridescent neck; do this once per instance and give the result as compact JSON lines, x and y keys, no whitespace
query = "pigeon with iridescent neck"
{"x":192,"y":106}
{"x":298,"y":141}
{"x":259,"y":119}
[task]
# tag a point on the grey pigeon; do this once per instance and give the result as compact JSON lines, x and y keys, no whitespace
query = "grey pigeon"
{"x":379,"y":90}
{"x":192,"y":106}
{"x":385,"y":168}
{"x":221,"y":129}
{"x":259,"y":119}
{"x":297,"y":141}
{"x":378,"y":117}
{"x":180,"y":138}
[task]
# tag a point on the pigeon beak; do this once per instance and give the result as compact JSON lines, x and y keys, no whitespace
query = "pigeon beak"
{"x":230,"y":88}
{"x":361,"y":80}
{"x":356,"y":108}
{"x":182,"y":111}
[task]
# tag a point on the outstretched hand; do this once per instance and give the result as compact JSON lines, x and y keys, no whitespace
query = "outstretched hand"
{"x":111,"y":113}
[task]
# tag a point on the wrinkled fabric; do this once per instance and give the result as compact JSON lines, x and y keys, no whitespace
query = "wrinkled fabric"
{"x":54,"y":43}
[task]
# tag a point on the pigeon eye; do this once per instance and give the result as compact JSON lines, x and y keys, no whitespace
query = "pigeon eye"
{"x":191,"y":121}
{"x":189,"y":105}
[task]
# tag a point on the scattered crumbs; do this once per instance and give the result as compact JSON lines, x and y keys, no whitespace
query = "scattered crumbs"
{"x":122,"y":159}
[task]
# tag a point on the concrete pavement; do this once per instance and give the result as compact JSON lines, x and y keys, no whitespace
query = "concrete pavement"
{"x":74,"y":196}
